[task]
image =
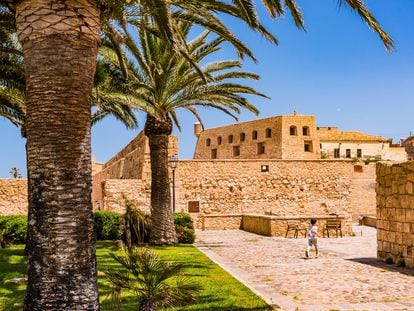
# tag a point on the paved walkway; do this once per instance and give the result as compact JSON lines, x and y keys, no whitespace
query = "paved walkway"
{"x":346,"y":276}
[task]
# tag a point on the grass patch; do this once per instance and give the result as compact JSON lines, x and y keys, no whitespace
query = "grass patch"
{"x":220,"y":290}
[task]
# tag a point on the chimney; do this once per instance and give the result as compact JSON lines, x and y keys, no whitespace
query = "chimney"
{"x":197,"y":129}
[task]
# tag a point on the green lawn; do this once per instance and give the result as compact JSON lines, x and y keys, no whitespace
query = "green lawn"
{"x":220,"y":290}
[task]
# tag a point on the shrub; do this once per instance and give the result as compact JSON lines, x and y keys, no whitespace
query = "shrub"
{"x":137,"y":225}
{"x":155,"y":282}
{"x":183,"y":220}
{"x":185,"y":235}
{"x":13,"y":229}
{"x":108,"y":225}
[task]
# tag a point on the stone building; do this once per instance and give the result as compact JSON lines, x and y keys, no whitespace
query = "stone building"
{"x":294,"y":137}
{"x":283,"y":137}
{"x":345,"y":144}
{"x":408,"y":144}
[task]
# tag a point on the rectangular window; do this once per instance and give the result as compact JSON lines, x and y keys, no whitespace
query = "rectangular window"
{"x":308,"y":147}
{"x":214,"y":153}
{"x":260,"y":148}
{"x":336,"y":153}
{"x":236,"y":151}
{"x":348,"y":153}
{"x":359,"y":153}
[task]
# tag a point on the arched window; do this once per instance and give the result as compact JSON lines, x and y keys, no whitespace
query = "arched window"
{"x":254,"y":135}
{"x":268,"y":133}
{"x":230,"y":139}
{"x":219,"y":139}
{"x":305,"y":131}
{"x":293,"y":131}
{"x":208,"y":142}
{"x":242,"y":136}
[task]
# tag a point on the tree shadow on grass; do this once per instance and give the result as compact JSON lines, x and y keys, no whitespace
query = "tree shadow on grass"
{"x":12,"y":296}
{"x":375,"y":262}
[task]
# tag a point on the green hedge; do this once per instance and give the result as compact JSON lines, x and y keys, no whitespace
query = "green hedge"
{"x":184,"y":228}
{"x":13,"y":229}
{"x":108,"y":225}
{"x":183,"y":220}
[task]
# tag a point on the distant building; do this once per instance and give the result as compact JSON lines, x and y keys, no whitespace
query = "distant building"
{"x":343,"y":144}
{"x":408,"y":144}
{"x":291,"y":137}
{"x":282,"y":137}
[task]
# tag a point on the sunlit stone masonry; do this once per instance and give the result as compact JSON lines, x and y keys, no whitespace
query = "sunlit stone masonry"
{"x":395,"y":213}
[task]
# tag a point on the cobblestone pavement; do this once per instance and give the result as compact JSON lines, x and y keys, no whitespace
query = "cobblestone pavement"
{"x":346,"y":276}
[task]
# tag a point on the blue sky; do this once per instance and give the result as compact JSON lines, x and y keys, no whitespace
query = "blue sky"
{"x":337,"y":70}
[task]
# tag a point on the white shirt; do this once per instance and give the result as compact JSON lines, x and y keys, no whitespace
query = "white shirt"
{"x":312,"y":232}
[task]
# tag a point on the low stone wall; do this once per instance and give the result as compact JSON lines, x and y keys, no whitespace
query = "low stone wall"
{"x":13,"y":196}
{"x":277,"y":226}
{"x":395,"y":213}
{"x":220,"y":222}
{"x":267,"y":225}
{"x":369,"y":221}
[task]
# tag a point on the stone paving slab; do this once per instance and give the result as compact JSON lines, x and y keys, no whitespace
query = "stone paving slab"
{"x":346,"y":276}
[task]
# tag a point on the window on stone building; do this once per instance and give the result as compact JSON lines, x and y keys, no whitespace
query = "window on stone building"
{"x":230,"y":139}
{"x":336,"y":153}
{"x":208,"y":142}
{"x":308,"y":147}
{"x":293,"y":131}
{"x":214,"y":153}
{"x":219,"y":140}
{"x":305,"y":131}
{"x":236,"y":151}
{"x":359,"y":153}
{"x":348,"y":153}
{"x":268,"y":133}
{"x":242,"y":136}
{"x":254,"y":135}
{"x":260,"y":148}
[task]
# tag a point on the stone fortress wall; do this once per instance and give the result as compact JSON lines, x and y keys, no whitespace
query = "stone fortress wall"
{"x":13,"y":196}
{"x":232,"y":187}
{"x":222,"y":187}
{"x":395,"y":213}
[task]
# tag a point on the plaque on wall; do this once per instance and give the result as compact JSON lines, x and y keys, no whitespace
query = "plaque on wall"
{"x":358,"y":169}
{"x":193,"y":206}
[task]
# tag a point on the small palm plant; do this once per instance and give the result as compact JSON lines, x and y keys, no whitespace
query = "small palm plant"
{"x":156,"y":283}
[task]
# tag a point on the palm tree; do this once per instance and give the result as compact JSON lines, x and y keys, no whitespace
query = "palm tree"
{"x":161,"y":85}
{"x":155,"y":283}
{"x":12,"y":105}
{"x":60,"y":44}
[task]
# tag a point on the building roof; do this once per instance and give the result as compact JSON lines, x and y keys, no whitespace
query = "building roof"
{"x":337,"y":135}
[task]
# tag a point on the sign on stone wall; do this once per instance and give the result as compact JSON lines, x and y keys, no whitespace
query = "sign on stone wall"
{"x":193,"y":206}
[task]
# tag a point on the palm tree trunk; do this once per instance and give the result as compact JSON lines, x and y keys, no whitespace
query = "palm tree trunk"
{"x":162,"y":223}
{"x":148,"y":305}
{"x":60,"y":43}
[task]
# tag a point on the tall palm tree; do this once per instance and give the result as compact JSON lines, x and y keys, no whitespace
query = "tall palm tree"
{"x":60,"y":44}
{"x":12,"y":85}
{"x":161,"y":85}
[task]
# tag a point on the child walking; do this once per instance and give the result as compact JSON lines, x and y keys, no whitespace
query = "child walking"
{"x":312,"y":238}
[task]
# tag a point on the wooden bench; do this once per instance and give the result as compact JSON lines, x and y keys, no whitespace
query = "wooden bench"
{"x":295,"y":225}
{"x":332,"y":224}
